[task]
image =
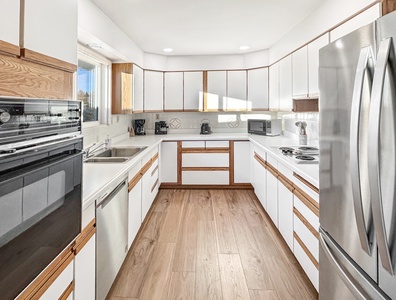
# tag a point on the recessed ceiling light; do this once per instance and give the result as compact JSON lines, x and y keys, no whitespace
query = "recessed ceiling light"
{"x":168,"y":49}
{"x":244,"y":47}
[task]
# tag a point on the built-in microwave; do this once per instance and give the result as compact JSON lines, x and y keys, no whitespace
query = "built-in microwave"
{"x":265,"y":127}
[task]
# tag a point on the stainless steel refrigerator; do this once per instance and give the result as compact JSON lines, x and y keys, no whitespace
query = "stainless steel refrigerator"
{"x":357,"y":75}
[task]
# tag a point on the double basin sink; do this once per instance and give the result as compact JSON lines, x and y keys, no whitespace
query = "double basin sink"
{"x":115,"y":155}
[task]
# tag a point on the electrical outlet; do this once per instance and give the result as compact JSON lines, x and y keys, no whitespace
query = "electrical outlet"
{"x":157,"y":116}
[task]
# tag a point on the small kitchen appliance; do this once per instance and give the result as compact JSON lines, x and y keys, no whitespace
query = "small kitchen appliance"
{"x":265,"y":127}
{"x":205,"y":128}
{"x":139,"y":127}
{"x":161,"y":127}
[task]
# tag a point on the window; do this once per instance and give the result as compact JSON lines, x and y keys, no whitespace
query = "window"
{"x":93,"y":81}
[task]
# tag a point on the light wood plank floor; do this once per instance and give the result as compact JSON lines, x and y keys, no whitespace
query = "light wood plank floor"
{"x":210,"y":244}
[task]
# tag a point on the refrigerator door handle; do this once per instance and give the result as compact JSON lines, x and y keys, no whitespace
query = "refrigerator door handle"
{"x":374,"y":149}
{"x":364,"y":56}
{"x":355,"y":281}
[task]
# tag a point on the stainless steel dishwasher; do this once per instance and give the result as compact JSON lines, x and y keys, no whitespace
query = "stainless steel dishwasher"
{"x":111,"y":236}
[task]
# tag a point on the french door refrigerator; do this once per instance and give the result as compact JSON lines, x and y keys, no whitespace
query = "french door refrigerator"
{"x":357,"y":164}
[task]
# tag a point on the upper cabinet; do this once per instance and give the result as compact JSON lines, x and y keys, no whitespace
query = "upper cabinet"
{"x":216,"y":91}
{"x":9,"y":26}
{"x":285,"y":84}
{"x":258,"y":89}
{"x":50,"y":29}
{"x":153,"y":91}
{"x":137,"y":89}
{"x":274,"y":87}
{"x":236,"y":91}
{"x":300,"y":72}
{"x":193,"y":91}
{"x":121,"y":92}
{"x":313,"y":64}
{"x":173,"y":98}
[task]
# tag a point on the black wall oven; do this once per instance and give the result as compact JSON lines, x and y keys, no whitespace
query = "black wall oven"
{"x":40,"y":186}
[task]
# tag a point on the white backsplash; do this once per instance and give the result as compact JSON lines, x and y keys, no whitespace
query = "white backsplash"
{"x":119,"y":125}
{"x":290,"y":129}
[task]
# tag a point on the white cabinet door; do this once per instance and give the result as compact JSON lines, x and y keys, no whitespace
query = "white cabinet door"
{"x":169,"y":162}
{"x":137,"y":89}
{"x":272,"y":197}
{"x":274,"y":87}
{"x":134,"y":212}
{"x":313,"y":63}
{"x":146,"y":194}
{"x":300,"y":72}
{"x":364,"y":18}
{"x":236,"y":91}
{"x":193,"y":91}
{"x":285,"y":84}
{"x":285,"y":205}
{"x":84,"y":271}
{"x":173,"y":99}
{"x":258,"y":89}
{"x":60,"y":284}
{"x":9,"y":21}
{"x":216,"y":91}
{"x":259,"y":176}
{"x":205,"y":177}
{"x":241,"y":162}
{"x":153,"y":91}
{"x":50,"y":28}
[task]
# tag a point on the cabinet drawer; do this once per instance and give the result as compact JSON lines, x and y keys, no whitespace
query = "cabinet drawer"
{"x":193,"y":144}
{"x":61,"y":284}
{"x":285,"y":171}
{"x":217,"y":144}
{"x":309,"y":267}
{"x":134,"y":170}
{"x":304,"y":187}
{"x":307,"y":237}
{"x":205,"y":160}
{"x":307,"y":213}
{"x":205,"y":177}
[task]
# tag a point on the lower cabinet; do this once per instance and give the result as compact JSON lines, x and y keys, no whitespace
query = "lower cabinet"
{"x":84,"y":271}
{"x":272,"y":190}
{"x":150,"y":183}
{"x":259,"y":174}
{"x":134,"y":203}
{"x":285,"y":202}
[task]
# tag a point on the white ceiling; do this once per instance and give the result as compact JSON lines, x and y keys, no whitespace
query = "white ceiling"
{"x":206,"y":27}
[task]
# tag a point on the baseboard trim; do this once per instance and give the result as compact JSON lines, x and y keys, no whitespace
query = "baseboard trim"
{"x":235,"y":186}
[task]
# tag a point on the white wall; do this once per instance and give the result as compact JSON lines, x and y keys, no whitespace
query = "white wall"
{"x":330,"y":13}
{"x":95,"y":25}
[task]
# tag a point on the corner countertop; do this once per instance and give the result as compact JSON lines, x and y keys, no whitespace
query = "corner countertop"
{"x":97,"y":177}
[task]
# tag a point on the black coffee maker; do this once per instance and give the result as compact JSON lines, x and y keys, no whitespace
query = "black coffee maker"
{"x":161,"y":127}
{"x":139,"y":126}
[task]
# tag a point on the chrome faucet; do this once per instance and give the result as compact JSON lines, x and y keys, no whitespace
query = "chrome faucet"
{"x":94,"y":147}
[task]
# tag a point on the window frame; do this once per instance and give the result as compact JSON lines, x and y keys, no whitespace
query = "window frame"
{"x":103,"y":82}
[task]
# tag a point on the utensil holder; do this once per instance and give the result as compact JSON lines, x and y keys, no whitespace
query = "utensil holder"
{"x":303,"y":139}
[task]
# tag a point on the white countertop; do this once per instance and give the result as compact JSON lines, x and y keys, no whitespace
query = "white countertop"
{"x":98,"y":176}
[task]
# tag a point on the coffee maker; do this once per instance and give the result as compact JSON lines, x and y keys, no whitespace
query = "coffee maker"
{"x":161,"y":127}
{"x":139,"y":126}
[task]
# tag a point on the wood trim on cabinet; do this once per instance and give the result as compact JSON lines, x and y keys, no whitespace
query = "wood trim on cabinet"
{"x":306,"y":250}
{"x":146,"y":167}
{"x":48,"y":61}
{"x":306,"y":182}
{"x":306,"y":223}
{"x":231,"y":162}
{"x":9,"y":49}
{"x":134,"y":181}
{"x":236,"y":186}
{"x":286,"y":182}
{"x":205,"y":168}
{"x":38,"y":287}
{"x":154,"y":185}
{"x":179,"y":162}
{"x":85,"y":236}
{"x":68,"y":291}
{"x":308,"y":201}
{"x":271,"y":169}
{"x":155,"y":169}
{"x":205,"y":150}
{"x":155,"y":157}
{"x":388,"y":6}
{"x":260,"y":160}
{"x":118,"y":87}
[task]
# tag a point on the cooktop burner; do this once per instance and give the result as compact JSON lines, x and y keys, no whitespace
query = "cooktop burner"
{"x":306,"y":148}
{"x":305,"y":157}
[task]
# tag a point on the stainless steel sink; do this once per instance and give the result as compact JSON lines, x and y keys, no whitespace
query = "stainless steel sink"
{"x":107,"y":159}
{"x":115,"y":155}
{"x":120,"y":152}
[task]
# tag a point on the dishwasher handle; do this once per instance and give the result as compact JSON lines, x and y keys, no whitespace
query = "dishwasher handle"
{"x":106,"y":200}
